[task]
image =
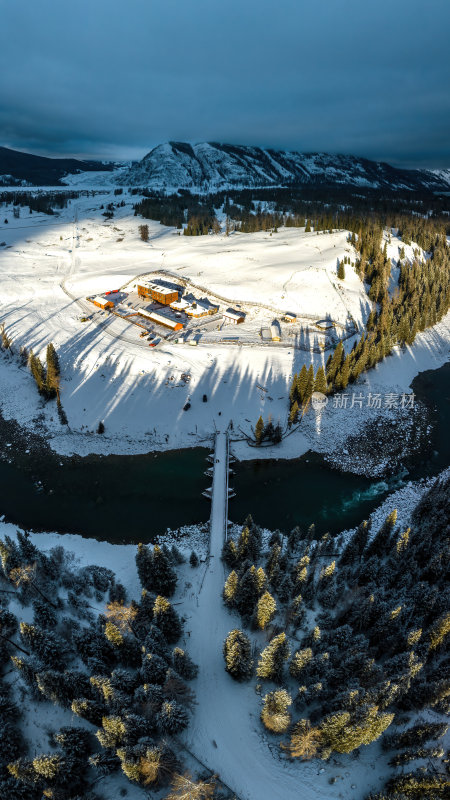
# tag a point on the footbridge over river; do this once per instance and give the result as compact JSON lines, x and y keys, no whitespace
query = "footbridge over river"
{"x":223,"y":734}
{"x":220,"y":492}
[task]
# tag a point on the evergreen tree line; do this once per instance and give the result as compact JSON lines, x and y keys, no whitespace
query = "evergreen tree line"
{"x":358,"y":638}
{"x":302,"y":387}
{"x":43,"y":203}
{"x":47,"y":378}
{"x":422,"y":300}
{"x":267,"y":431}
{"x":175,"y":210}
{"x":420,"y":218}
{"x":417,"y":216}
{"x":121,"y":672}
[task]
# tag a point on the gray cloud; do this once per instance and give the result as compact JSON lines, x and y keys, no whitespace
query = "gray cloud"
{"x":112,"y":79}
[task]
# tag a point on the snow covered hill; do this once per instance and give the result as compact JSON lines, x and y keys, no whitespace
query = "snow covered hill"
{"x":210,"y":166}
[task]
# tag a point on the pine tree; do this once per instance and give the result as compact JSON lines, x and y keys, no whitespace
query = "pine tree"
{"x":304,"y":741}
{"x":5,"y":339}
{"x":273,"y":563}
{"x":415,"y":736}
{"x":297,"y":611}
{"x":193,"y":559}
{"x":259,"y":430}
{"x":38,"y":372}
{"x":380,"y":543}
{"x":113,"y":634}
{"x":293,"y":390}
{"x":293,"y":414}
{"x":243,"y":545}
{"x":274,"y":715}
{"x":247,"y":592}
{"x":299,"y":661}
{"x":163,"y":576}
{"x":237,"y":653}
{"x":147,"y":764}
{"x":153,"y":669}
{"x":269,"y":430}
{"x":272,"y":659}
{"x":230,"y":589}
{"x":320,"y":384}
{"x":418,"y":785}
{"x":302,"y":384}
{"x":91,"y":710}
{"x":310,"y":384}
{"x":230,"y":553}
{"x":439,"y":631}
{"x":265,"y":610}
{"x":46,"y":645}
{"x":341,"y":271}
{"x":144,"y":563}
{"x":113,"y":731}
{"x":335,"y":361}
{"x":355,"y":547}
{"x":183,"y":664}
{"x":172,"y":718}
{"x":53,"y":372}
{"x":261,"y":580}
{"x":342,"y":734}
{"x":143,"y":232}
{"x":343,"y":374}
{"x":402,"y":543}
{"x":166,"y":619}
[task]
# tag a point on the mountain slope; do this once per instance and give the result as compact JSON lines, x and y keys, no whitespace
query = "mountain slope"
{"x":16,"y":167}
{"x":210,"y":166}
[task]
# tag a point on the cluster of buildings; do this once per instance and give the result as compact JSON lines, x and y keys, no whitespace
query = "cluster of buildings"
{"x":168,"y":297}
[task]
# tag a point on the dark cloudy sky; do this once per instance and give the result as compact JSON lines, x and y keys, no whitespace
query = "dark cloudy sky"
{"x":112,"y":78}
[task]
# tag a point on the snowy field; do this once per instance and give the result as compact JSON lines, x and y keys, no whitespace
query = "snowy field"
{"x":109,"y":374}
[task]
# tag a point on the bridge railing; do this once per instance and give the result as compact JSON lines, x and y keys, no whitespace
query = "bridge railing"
{"x":227,"y":476}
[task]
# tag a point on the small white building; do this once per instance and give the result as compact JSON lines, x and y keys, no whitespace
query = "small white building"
{"x":180,"y":305}
{"x":201,"y":308}
{"x":233,"y":316}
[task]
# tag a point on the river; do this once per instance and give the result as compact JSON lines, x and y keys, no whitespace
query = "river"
{"x":134,"y":498}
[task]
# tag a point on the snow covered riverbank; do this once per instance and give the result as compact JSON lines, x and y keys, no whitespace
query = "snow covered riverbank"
{"x":149,"y":418}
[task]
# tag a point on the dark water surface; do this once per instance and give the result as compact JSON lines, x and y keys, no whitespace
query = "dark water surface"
{"x":282,"y":494}
{"x":133,"y":498}
{"x":117,"y":498}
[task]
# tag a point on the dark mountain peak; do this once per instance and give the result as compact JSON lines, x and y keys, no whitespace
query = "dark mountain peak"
{"x":213,"y":166}
{"x":34,"y":170}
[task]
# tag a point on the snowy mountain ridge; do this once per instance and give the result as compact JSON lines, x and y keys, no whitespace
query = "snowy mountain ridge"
{"x":210,"y":166}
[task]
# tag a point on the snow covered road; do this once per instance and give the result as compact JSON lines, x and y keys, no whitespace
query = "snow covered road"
{"x":225,"y":733}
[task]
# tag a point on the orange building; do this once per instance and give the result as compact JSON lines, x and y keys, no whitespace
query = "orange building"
{"x":160,"y":319}
{"x":101,"y":301}
{"x":154,"y":291}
